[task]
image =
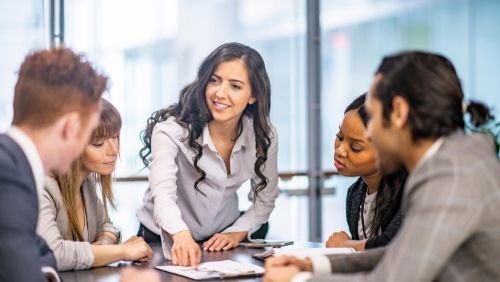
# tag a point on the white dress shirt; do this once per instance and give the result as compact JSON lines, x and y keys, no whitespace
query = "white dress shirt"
{"x":31,"y":152}
{"x":172,"y":204}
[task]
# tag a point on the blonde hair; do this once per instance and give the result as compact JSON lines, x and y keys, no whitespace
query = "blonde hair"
{"x":109,"y":125}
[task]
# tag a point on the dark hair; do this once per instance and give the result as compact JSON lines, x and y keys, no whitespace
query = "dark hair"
{"x":192,"y":112}
{"x":388,"y":199}
{"x":54,"y":82}
{"x":359,"y":105}
{"x":429,"y":83}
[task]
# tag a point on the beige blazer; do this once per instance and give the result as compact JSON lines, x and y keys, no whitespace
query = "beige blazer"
{"x":53,"y":225}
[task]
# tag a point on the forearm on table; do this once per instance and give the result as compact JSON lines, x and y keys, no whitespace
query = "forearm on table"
{"x":106,"y":254}
{"x":106,"y":238}
{"x":358,"y":245}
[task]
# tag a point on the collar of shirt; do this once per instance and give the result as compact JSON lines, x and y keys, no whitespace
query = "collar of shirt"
{"x":431,"y":151}
{"x":242,"y":141}
{"x":31,"y":152}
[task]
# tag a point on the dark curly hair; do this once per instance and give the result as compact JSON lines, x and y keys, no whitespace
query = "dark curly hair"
{"x":192,"y":112}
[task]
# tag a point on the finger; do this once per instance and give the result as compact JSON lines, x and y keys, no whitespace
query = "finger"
{"x":174,"y":256}
{"x":222,"y":243}
{"x":277,"y":261}
{"x":230,"y":245}
{"x":180,"y":259}
{"x":215,"y":244}
{"x":209,"y":243}
{"x":193,"y":257}
{"x":198,"y":256}
{"x":287,"y":260}
{"x":185,"y":257}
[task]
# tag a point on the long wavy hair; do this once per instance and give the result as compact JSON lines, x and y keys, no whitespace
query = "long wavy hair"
{"x":192,"y":112}
{"x":390,"y":191}
{"x":109,"y":126}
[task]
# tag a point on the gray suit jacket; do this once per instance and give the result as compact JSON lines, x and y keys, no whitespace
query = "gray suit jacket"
{"x":53,"y":225}
{"x":451,"y":228}
{"x":22,"y":251}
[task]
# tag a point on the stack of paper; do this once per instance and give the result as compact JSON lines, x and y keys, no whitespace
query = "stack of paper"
{"x":215,"y":269}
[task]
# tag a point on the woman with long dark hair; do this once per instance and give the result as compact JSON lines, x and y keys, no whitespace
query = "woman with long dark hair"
{"x":373,"y":201}
{"x":202,"y":149}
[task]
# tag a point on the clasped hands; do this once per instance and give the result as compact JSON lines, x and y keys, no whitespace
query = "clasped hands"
{"x":284,"y":268}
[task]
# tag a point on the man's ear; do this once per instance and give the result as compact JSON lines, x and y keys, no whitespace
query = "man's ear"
{"x":400,"y":112}
{"x":69,"y":126}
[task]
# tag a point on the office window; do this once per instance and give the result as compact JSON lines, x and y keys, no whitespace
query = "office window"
{"x":152,"y":49}
{"x":22,"y":29}
{"x":357,"y":34}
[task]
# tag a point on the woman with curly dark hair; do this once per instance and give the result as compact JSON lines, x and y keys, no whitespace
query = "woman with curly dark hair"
{"x":374,"y":200}
{"x":202,"y":149}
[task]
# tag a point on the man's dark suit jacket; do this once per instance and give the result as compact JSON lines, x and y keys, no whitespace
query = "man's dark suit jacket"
{"x":22,"y":251}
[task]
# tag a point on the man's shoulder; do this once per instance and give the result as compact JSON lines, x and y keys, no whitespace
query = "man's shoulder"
{"x":12,"y":158}
{"x":463,"y":162}
{"x":15,"y":171}
{"x":472,"y":155}
{"x":476,"y":145}
{"x":463,"y":153}
{"x":8,"y":159}
{"x":8,"y":147}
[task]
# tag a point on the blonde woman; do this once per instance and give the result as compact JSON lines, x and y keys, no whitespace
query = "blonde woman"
{"x":73,"y":219}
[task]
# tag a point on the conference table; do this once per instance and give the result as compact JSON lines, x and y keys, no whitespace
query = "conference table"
{"x":112,"y":273}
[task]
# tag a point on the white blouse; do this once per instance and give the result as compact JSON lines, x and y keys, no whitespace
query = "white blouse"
{"x":368,"y":211}
{"x":172,"y":204}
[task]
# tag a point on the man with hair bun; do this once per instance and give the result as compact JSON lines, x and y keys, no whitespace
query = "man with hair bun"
{"x":450,"y":203}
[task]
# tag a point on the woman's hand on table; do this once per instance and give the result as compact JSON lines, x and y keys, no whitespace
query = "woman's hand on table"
{"x":185,"y":251}
{"x":224,"y":241}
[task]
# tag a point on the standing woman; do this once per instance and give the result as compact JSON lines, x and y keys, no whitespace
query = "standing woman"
{"x":73,"y":220}
{"x":373,"y":201}
{"x":202,"y":149}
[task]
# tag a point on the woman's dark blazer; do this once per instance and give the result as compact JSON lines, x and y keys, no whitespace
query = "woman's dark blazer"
{"x":390,"y":224}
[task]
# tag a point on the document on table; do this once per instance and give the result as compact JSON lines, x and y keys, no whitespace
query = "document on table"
{"x":301,"y":252}
{"x":215,"y":269}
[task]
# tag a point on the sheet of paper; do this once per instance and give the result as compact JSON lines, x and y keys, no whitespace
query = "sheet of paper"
{"x":215,"y":269}
{"x":307,"y":252}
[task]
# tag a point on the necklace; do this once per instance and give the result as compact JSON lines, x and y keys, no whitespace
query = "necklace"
{"x":362,"y":211}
